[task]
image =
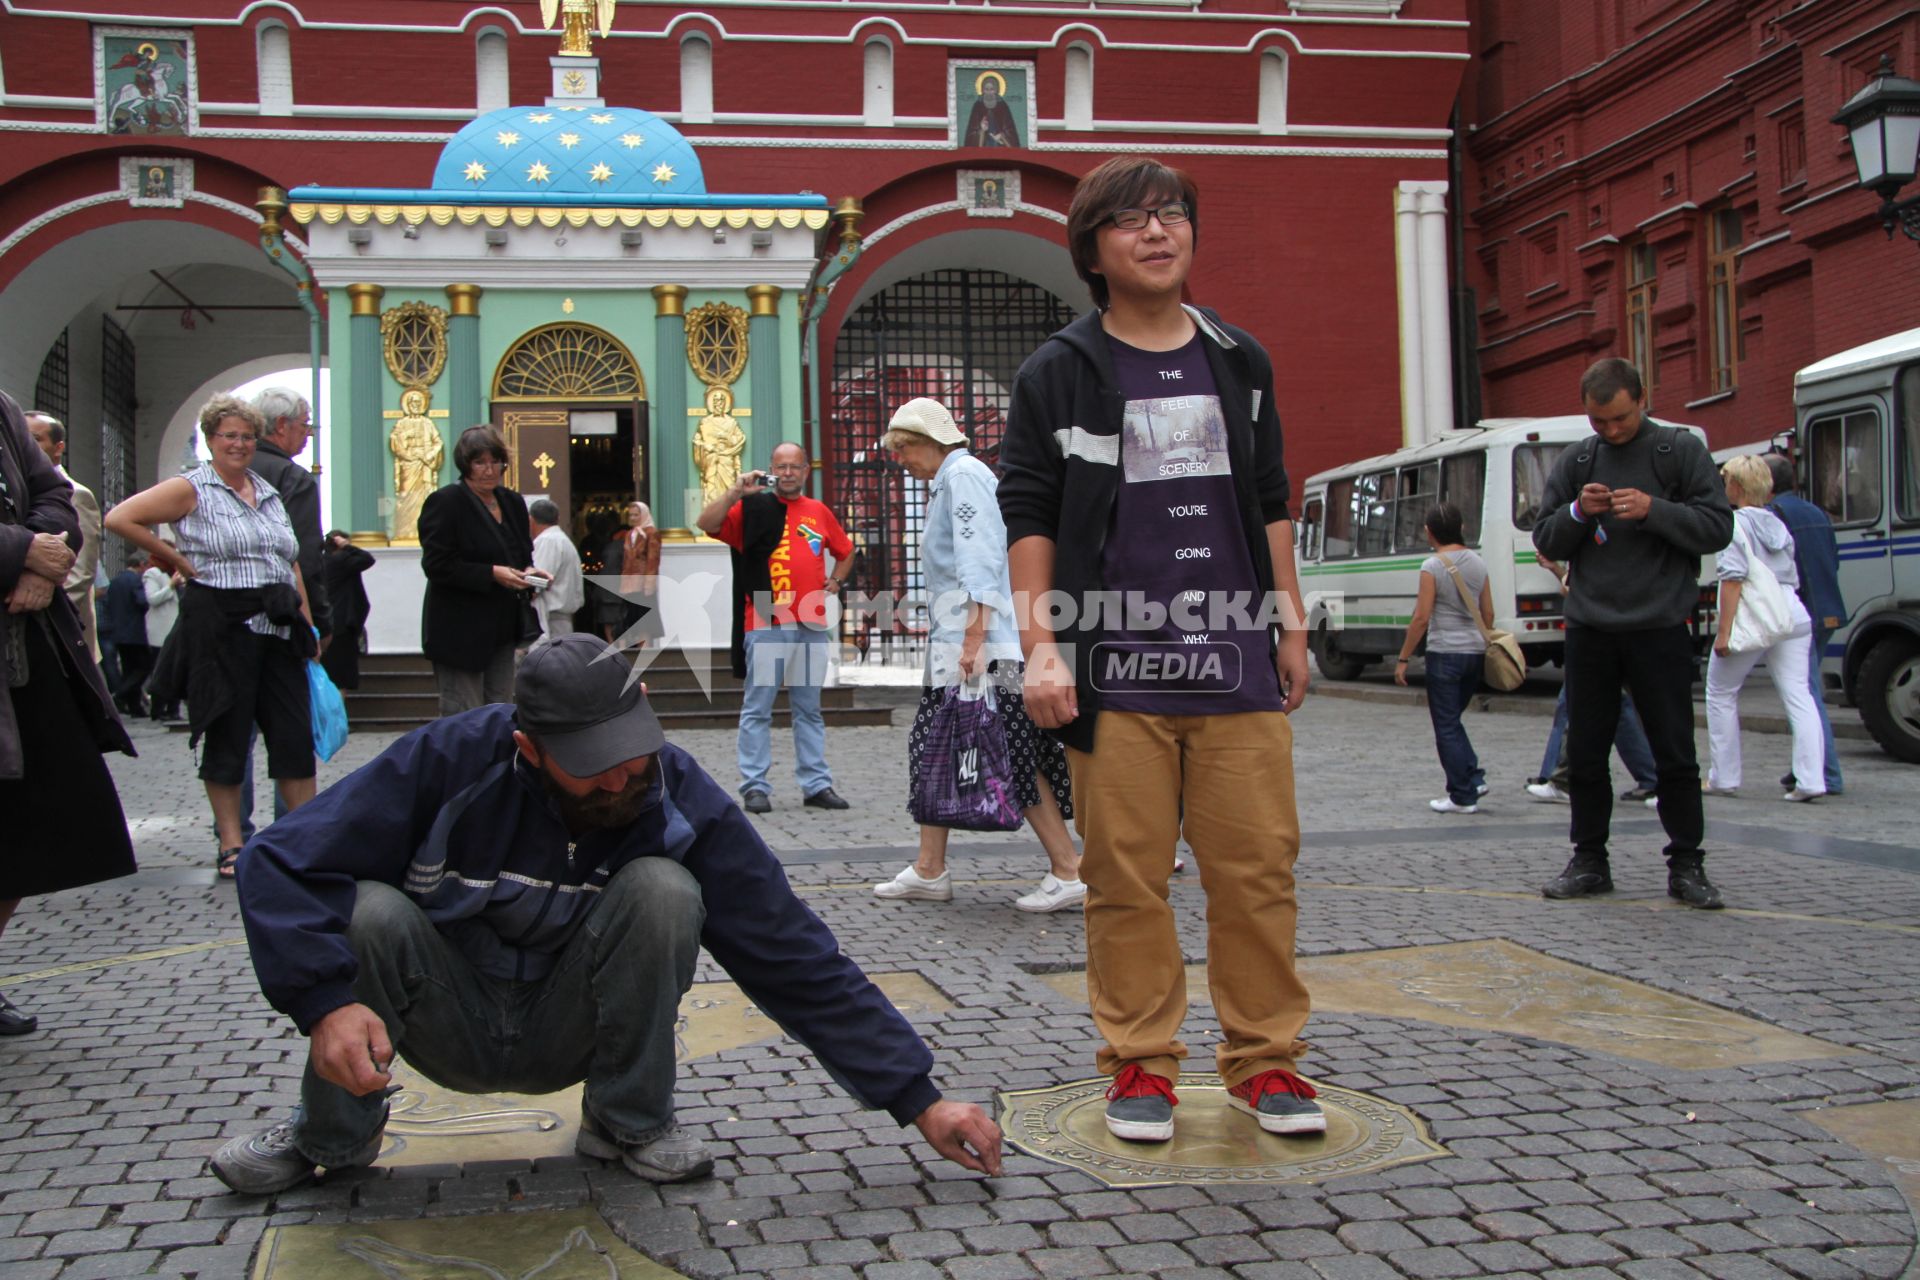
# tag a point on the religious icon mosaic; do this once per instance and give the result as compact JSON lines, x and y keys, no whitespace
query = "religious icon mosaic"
{"x":989,"y":193}
{"x":156,"y":182}
{"x":989,"y":104}
{"x":144,"y":81}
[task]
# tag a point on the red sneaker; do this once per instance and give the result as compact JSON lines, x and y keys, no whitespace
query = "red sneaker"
{"x":1140,"y":1105}
{"x":1281,"y":1101}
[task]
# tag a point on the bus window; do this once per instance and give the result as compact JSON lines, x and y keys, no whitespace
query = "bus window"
{"x":1309,"y":535}
{"x":1419,"y":489}
{"x":1906,"y":453}
{"x":1845,"y":473}
{"x":1373,"y":513}
{"x":1464,"y":483}
{"x":1337,"y":542}
{"x":1532,"y":464}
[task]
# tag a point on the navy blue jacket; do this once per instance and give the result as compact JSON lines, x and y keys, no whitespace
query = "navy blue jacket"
{"x":125,"y":620}
{"x":454,"y":817}
{"x":1817,"y":556}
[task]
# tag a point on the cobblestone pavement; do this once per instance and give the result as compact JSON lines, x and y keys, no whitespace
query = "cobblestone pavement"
{"x":1565,"y":1163}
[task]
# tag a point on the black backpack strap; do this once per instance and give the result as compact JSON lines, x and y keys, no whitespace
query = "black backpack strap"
{"x":1666,"y":463}
{"x":1583,"y":463}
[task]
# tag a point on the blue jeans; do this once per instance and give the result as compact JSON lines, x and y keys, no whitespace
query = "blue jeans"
{"x":605,"y":1014}
{"x":1819,"y":650}
{"x":797,"y":658}
{"x":1629,"y":739}
{"x":1451,"y":680}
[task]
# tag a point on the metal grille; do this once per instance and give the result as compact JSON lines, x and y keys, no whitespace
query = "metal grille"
{"x":117,"y":407}
{"x":52,"y":391}
{"x":956,"y":336}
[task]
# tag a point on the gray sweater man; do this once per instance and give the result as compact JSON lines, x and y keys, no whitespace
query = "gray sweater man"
{"x":1631,"y":511}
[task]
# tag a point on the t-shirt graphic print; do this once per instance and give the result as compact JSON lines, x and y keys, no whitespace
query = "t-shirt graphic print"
{"x":1189,"y":641}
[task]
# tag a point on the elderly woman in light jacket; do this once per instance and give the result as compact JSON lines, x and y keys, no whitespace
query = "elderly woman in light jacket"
{"x":963,"y":556}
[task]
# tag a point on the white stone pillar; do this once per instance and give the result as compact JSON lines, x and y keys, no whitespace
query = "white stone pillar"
{"x":1436,"y":334}
{"x":1406,"y":242}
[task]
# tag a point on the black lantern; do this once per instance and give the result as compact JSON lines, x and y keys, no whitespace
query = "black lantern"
{"x":1883,"y":123}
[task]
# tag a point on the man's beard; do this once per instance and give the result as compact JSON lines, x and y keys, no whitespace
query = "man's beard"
{"x":601,"y":810}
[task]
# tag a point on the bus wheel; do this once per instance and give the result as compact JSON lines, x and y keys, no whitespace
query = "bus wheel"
{"x":1888,"y":692}
{"x":1334,"y":665}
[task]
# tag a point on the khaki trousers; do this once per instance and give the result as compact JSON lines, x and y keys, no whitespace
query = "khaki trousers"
{"x":1228,"y":781}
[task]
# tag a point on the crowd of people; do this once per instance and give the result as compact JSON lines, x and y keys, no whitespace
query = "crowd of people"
{"x":515,"y":895}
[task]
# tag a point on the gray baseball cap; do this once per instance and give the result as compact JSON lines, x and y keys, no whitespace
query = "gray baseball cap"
{"x":575,"y":699}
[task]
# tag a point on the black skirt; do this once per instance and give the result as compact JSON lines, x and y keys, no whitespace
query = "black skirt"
{"x":62,"y":820}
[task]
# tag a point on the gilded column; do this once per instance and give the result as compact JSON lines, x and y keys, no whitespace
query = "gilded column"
{"x":466,"y":402}
{"x":366,"y":427}
{"x":763,"y":363}
{"x":672,"y":459}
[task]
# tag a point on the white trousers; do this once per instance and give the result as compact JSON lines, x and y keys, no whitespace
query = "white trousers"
{"x":1787,"y":664}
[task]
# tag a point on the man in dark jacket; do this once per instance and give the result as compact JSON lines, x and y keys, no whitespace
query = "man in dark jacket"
{"x":1630,"y":511}
{"x":125,"y":618}
{"x":1816,"y":555}
{"x":1175,"y":710}
{"x":555,"y":865}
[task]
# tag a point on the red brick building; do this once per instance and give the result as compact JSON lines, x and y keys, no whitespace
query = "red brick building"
{"x":1659,"y":179}
{"x":1301,"y":120}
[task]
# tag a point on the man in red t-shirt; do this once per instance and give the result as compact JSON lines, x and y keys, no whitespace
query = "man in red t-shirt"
{"x":781,"y":537}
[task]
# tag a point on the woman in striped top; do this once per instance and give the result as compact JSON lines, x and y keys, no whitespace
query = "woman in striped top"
{"x":244,"y":621}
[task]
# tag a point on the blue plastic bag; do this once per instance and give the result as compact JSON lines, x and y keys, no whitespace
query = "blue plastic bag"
{"x":965,"y":774}
{"x":329,"y":712}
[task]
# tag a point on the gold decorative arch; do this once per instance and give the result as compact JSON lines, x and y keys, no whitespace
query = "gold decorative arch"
{"x":413,"y":339}
{"x":569,"y":361}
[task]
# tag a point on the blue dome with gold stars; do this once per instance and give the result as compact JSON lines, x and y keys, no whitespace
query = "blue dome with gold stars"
{"x":569,"y":151}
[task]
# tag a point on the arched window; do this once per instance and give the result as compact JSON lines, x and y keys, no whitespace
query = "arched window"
{"x":275,"y":51}
{"x":1079,"y":87}
{"x":490,"y":71}
{"x":696,"y":80}
{"x":1273,"y":92}
{"x":877,"y":82}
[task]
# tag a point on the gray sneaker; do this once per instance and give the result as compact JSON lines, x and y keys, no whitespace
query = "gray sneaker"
{"x":268,"y":1162}
{"x":1140,"y":1106}
{"x":674,"y":1155}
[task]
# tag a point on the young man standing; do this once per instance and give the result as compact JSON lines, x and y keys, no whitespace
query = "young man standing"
{"x":1142,"y":459}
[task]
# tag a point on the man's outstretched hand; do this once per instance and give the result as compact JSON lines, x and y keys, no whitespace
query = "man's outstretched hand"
{"x":350,"y":1048}
{"x":962,"y":1133}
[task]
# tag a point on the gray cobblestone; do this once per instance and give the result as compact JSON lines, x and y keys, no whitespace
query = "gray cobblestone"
{"x":1070,"y":1264}
{"x":1131,"y":1258}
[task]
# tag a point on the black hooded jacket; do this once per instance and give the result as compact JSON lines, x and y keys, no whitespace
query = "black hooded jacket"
{"x":1060,"y":464}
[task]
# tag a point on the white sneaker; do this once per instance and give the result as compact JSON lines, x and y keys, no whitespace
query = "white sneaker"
{"x":1054,"y":894}
{"x":1547,"y":793}
{"x":1445,"y":804}
{"x":1797,"y":796}
{"x":1482,"y":789}
{"x":1653,"y":802}
{"x":909,"y":884}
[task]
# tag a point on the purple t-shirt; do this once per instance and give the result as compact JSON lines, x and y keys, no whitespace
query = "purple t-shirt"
{"x":1176,"y":543}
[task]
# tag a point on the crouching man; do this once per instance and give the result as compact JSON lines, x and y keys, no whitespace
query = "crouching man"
{"x":514,"y":898}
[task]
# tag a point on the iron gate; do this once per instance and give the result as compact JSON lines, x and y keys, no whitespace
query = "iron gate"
{"x":956,"y":336}
{"x":118,"y":405}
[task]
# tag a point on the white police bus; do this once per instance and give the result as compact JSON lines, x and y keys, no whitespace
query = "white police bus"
{"x":1857,"y":429}
{"x":1361,"y":539}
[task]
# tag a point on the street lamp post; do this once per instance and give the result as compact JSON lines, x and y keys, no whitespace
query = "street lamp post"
{"x":1883,"y":123}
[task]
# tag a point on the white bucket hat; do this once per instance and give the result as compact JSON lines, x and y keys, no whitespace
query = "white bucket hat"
{"x":928,"y":418}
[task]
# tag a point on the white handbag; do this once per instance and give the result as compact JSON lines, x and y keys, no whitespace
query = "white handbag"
{"x":1765,"y":614}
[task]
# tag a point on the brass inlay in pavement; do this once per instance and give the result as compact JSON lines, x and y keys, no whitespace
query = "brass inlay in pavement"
{"x":570,"y":1245}
{"x":1887,"y":1131}
{"x":427,"y":1124}
{"x":1498,"y":985}
{"x":1212,"y":1143}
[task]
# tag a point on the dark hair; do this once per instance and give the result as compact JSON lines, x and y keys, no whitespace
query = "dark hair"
{"x":543,"y":510}
{"x":1124,"y":182}
{"x":475,"y":443}
{"x":56,"y":429}
{"x":1607,"y":378}
{"x":1445,"y":523}
{"x":1783,"y":476}
{"x":328,"y":541}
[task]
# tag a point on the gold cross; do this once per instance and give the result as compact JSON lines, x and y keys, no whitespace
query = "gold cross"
{"x":544,"y":464}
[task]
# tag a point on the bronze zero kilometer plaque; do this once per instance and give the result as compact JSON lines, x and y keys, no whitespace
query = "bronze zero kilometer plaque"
{"x":1212,"y":1143}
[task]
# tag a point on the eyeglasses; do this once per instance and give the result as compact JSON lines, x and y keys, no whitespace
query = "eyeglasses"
{"x":1170,"y":215}
{"x":235,"y":437}
{"x":486,"y":464}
